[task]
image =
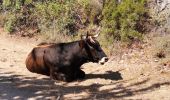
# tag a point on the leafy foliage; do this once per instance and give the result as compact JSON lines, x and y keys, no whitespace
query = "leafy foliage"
{"x":121,"y":20}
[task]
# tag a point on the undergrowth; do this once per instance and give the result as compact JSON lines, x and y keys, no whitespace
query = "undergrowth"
{"x":66,"y":19}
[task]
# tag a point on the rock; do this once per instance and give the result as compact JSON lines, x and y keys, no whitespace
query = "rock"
{"x":162,"y":4}
{"x":3,"y":49}
{"x":160,"y":12}
{"x":156,"y":60}
{"x":3,"y":60}
{"x":11,"y":65}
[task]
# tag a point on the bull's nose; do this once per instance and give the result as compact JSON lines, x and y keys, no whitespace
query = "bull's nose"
{"x":106,"y":59}
{"x":103,"y":60}
{"x":102,"y":63}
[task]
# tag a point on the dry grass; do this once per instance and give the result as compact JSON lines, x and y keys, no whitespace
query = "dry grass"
{"x":2,"y":19}
{"x":50,"y":36}
{"x":160,"y":48}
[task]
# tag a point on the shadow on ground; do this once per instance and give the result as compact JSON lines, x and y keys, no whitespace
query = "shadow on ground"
{"x":22,"y":87}
{"x":108,"y":75}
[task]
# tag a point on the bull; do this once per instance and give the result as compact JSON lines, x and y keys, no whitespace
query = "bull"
{"x":62,"y":61}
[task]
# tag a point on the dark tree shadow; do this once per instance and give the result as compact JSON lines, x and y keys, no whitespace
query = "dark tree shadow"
{"x":20,"y":87}
{"x":108,"y":75}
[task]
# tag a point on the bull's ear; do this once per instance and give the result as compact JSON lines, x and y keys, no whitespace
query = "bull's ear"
{"x":81,"y":44}
{"x":90,"y":37}
{"x":97,"y":33}
{"x":88,"y":34}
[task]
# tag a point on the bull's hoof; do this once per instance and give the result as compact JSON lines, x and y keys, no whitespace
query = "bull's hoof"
{"x":64,"y":77}
{"x":68,"y":79}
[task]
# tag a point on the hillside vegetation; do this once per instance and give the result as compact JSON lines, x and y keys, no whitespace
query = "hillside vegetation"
{"x":125,"y":21}
{"x":66,"y":19}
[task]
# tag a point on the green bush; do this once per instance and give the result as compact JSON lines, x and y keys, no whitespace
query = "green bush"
{"x":10,"y":23}
{"x":17,"y":15}
{"x":118,"y":20}
{"x":121,"y":20}
{"x":92,"y":10}
{"x":56,"y":18}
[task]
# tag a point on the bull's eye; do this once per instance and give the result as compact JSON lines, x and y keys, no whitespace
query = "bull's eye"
{"x":99,"y":49}
{"x":95,"y":47}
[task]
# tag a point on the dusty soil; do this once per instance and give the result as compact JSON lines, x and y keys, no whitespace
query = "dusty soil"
{"x":133,"y":76}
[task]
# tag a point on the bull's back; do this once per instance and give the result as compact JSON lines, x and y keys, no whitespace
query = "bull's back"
{"x":35,"y":62}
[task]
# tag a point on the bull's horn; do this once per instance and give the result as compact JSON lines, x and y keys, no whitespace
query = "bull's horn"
{"x":96,"y":35}
{"x":91,"y":39}
{"x":97,"y":32}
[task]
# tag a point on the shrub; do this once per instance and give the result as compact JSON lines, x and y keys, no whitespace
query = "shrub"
{"x":121,"y":20}
{"x":10,"y":23}
{"x":92,"y":10}
{"x":56,"y":17}
{"x":17,"y":15}
{"x":118,"y":20}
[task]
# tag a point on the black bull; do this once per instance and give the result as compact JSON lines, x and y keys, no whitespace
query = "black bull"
{"x":62,"y":61}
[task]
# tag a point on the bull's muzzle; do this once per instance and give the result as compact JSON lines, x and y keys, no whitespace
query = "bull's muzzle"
{"x":103,"y":60}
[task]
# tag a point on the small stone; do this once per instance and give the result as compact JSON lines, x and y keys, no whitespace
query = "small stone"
{"x":11,"y":65}
{"x":156,"y":60}
{"x":3,"y":59}
{"x":3,"y":49}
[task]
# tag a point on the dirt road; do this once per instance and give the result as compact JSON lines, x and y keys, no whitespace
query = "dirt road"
{"x":132,"y":77}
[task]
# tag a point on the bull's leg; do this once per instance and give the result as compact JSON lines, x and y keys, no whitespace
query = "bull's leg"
{"x":80,"y":74}
{"x":64,"y":77}
{"x":58,"y":74}
{"x":52,"y":74}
